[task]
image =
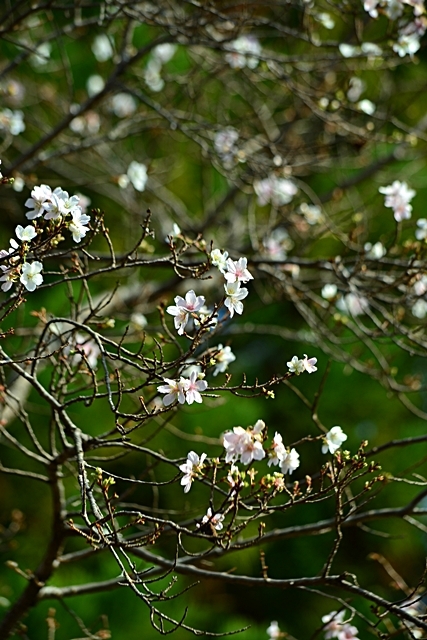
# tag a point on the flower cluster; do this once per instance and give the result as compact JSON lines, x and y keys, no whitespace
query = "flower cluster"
{"x":214,"y":519}
{"x":160,"y":56}
{"x":12,"y":121}
{"x":278,"y":191}
{"x":244,"y":445}
{"x":184,"y":390}
{"x":287,"y":459}
{"x":184,"y":308}
{"x":409,"y":33}
{"x":299,"y":365}
{"x":243,"y":52}
{"x":335,"y":627}
{"x":225,"y":145}
{"x":235,"y":273}
{"x":398,"y":197}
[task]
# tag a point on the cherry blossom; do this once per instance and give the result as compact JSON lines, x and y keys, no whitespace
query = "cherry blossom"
{"x":277,"y":244}
{"x":77,"y":226}
{"x":278,"y":191}
{"x":309,"y":364}
{"x":397,"y":197}
{"x":244,"y":52}
{"x":214,"y":519}
{"x":31,"y":276}
{"x":235,"y":294}
{"x":191,"y":468}
{"x":237,"y":271}
{"x":352,"y":304}
{"x":137,"y":174}
{"x":296,"y":365}
{"x":174,"y":389}
{"x":223,"y":359}
{"x":87,"y":347}
{"x":335,"y":627}
{"x":25,"y":234}
{"x":329,"y":291}
{"x":290,"y":461}
{"x":12,"y":121}
{"x":244,"y":443}
{"x":193,"y":387}
{"x":278,"y":450}
{"x":9,"y":276}
{"x":219,"y":259}
{"x":102,"y":48}
{"x":333,"y":440}
{"x":39,"y":201}
{"x":224,"y":143}
{"x":421,"y":232}
{"x":183,"y":307}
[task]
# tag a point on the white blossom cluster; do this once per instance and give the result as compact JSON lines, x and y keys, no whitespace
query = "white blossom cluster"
{"x":277,"y":191}
{"x":160,"y":56}
{"x":409,"y":33}
{"x":299,"y":365}
{"x":235,"y":273}
{"x":12,"y":121}
{"x":183,"y":390}
{"x":55,"y":206}
{"x":225,"y":145}
{"x":397,"y":197}
{"x":335,"y":627}
{"x":243,"y":52}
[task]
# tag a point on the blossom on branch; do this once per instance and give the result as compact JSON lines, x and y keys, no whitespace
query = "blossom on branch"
{"x":77,"y":226}
{"x":245,"y":444}
{"x":183,"y":308}
{"x":191,"y":468}
{"x":237,"y":271}
{"x":290,"y":461}
{"x":397,"y":197}
{"x":174,"y":389}
{"x":244,"y":52}
{"x":223,"y":359}
{"x":31,"y":276}
{"x":193,"y":386}
{"x":214,"y":519}
{"x":235,"y":294}
{"x":333,"y":440}
{"x":219,"y":259}
{"x":25,"y":234}
{"x":335,"y":627}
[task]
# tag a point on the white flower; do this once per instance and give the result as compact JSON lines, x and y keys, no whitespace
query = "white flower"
{"x":398,"y":197}
{"x":191,"y":468}
{"x":137,"y":174}
{"x":277,"y":244}
{"x":77,"y":226}
{"x":237,"y":271}
{"x":224,"y":143}
{"x":94,"y":85}
{"x":174,"y":389}
{"x":12,"y":121}
{"x":183,"y":307}
{"x":244,"y":443}
{"x":164,"y":52}
{"x":41,"y":55}
{"x":335,"y":627}
{"x":375,"y":251}
{"x":309,"y":364}
{"x":356,"y":87}
{"x":421,"y":232}
{"x":278,"y":191}
{"x":244,"y":52}
{"x":329,"y":291}
{"x":353,"y":304}
{"x":61,"y":204}
{"x":27,"y":234}
{"x":152,"y":76}
{"x":289,"y":462}
{"x":296,"y":365}
{"x":407,"y":44}
{"x":419,"y":309}
{"x":193,"y":386}
{"x":138,"y":320}
{"x":273,"y":631}
{"x":102,"y":48}
{"x":214,"y":519}
{"x":371,"y":7}
{"x":348,"y":50}
{"x":333,"y":440}
{"x":312,"y":213}
{"x":223,"y":359}
{"x":235,"y":294}
{"x":174,"y":233}
{"x":367,"y":106}
{"x":31,"y":276}
{"x":278,"y":451}
{"x":123,"y":105}
{"x":219,"y":259}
